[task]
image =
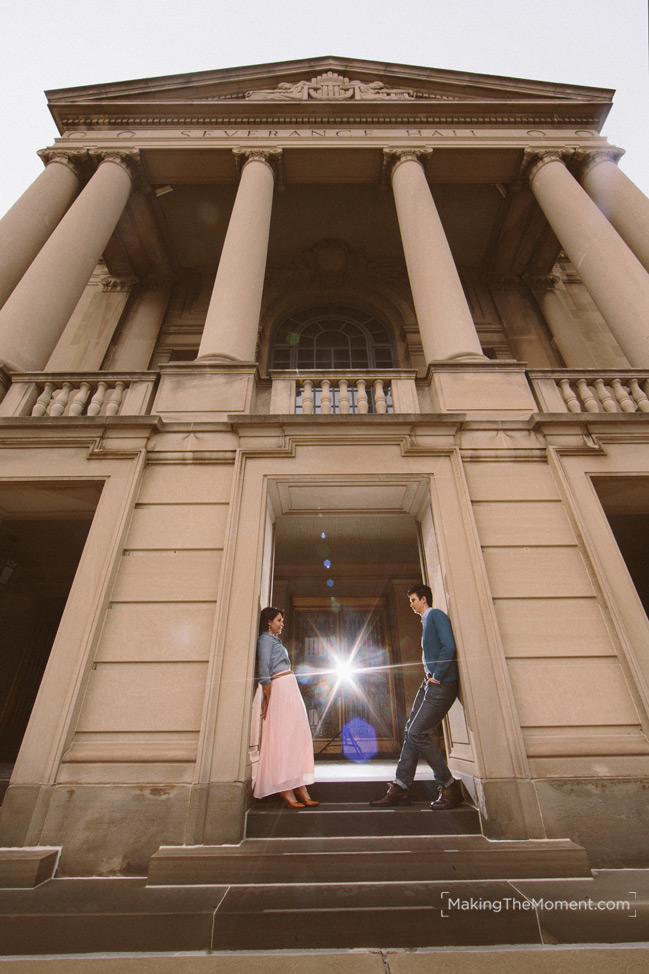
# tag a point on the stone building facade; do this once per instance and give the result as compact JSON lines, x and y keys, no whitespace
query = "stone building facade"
{"x":300,"y":333}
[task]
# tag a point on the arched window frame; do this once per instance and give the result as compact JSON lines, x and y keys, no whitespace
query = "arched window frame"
{"x":374,"y":345}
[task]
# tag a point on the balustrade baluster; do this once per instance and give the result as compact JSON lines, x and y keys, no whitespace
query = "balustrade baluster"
{"x":97,"y":400}
{"x":361,"y":396}
{"x":115,"y":400}
{"x":325,"y":397}
{"x":605,"y":397}
{"x":43,"y":401}
{"x":621,"y":394}
{"x":587,"y":397}
{"x":380,"y":404}
{"x":307,"y":398}
{"x":639,"y":396}
{"x":79,"y":399}
{"x":343,"y":398}
{"x":570,"y":399}
{"x":60,"y":400}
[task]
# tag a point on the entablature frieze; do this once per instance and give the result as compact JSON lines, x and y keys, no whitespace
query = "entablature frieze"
{"x":216,"y":156}
{"x":96,"y":131}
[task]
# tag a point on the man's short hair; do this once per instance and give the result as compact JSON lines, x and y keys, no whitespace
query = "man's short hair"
{"x":422,"y":592}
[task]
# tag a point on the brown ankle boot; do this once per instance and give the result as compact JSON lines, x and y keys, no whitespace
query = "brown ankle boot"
{"x":449,"y":797}
{"x":395,"y":795}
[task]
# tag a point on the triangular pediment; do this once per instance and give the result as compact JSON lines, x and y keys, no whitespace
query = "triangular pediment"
{"x":326,"y":79}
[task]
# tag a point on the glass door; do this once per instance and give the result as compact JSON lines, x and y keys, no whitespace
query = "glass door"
{"x":341,"y":656}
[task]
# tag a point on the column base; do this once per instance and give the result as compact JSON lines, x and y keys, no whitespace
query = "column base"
{"x":221,"y":359}
{"x":481,"y":388}
{"x":467,"y":357}
{"x":205,"y":390}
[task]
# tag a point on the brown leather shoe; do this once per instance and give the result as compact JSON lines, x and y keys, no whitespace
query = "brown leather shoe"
{"x":395,"y":795}
{"x":449,"y":797}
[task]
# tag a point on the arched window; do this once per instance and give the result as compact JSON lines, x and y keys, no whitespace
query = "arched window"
{"x":331,"y":336}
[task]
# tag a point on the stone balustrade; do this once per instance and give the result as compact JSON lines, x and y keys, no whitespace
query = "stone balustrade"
{"x":93,"y":394}
{"x":328,"y":392}
{"x":317,"y":392}
{"x":592,"y":391}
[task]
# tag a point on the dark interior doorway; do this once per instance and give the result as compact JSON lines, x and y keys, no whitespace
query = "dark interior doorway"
{"x":43,"y":529}
{"x":626,"y":504}
{"x":354,"y":642}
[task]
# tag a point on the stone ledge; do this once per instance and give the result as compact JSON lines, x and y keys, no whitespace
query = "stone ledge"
{"x":28,"y":867}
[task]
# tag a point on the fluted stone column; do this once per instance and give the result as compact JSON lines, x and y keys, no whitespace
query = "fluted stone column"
{"x":619,"y":199}
{"x":614,"y":277}
{"x":445,"y":322}
{"x":34,"y":316}
{"x":27,"y":225}
{"x":232,"y":322}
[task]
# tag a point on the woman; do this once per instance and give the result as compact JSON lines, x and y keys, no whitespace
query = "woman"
{"x":286,"y":755}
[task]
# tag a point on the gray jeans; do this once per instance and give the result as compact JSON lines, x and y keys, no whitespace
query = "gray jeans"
{"x":432,"y":703}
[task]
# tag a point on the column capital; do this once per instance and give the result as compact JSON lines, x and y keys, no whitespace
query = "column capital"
{"x":535,"y":159}
{"x":113,"y":284}
{"x":270,"y":156}
{"x":128,"y":159}
{"x":542,"y":282}
{"x":587,"y":159}
{"x":75,"y":159}
{"x":393,"y":157}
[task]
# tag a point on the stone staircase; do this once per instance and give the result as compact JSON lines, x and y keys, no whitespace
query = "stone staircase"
{"x":339,"y":876}
{"x":346,"y":841}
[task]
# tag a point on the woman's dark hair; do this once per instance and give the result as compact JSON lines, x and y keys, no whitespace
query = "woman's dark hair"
{"x":267,"y":615}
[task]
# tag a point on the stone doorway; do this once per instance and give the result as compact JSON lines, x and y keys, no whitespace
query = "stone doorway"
{"x":43,"y":529}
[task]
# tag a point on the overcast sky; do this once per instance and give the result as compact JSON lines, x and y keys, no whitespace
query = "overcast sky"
{"x":50,"y":44}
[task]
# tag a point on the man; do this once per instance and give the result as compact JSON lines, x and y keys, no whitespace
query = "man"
{"x":432,"y":703}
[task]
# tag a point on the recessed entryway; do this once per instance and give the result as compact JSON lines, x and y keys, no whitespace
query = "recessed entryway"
{"x":43,"y":529}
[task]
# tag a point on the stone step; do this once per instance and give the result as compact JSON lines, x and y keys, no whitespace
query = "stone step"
{"x":356,"y":792}
{"x":22,"y":868}
{"x":277,"y":821}
{"x":369,"y":859}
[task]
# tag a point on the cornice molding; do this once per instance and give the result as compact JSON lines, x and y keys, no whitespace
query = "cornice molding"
{"x":325,"y":119}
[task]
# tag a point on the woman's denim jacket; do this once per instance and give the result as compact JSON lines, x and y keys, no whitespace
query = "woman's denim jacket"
{"x":272,"y":657}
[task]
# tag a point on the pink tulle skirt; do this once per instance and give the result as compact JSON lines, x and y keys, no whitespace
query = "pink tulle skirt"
{"x":286,"y":753}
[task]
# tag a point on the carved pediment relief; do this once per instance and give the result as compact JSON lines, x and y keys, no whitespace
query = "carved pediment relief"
{"x":331,"y":86}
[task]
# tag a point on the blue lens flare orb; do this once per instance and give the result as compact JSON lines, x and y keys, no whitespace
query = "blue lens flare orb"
{"x":359,"y":740}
